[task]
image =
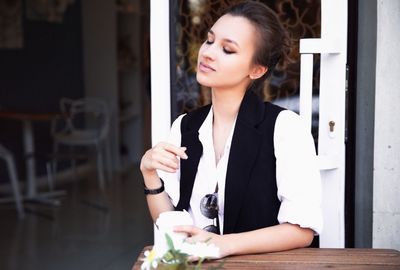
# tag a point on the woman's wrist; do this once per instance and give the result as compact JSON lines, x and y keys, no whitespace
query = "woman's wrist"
{"x":228,"y":245}
{"x":151,"y":180}
{"x":154,"y":191}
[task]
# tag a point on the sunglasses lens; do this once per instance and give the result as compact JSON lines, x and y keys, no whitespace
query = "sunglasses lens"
{"x":212,"y":229}
{"x":209,"y":206}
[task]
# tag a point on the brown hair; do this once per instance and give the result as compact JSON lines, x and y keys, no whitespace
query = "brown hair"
{"x":273,"y":42}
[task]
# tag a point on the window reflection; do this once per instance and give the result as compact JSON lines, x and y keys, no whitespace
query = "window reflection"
{"x":191,"y":20}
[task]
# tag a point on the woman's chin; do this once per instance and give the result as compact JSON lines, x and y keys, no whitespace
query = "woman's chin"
{"x":203,"y":81}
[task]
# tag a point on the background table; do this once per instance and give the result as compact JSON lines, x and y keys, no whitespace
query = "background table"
{"x":309,"y":258}
{"x":27,"y":119}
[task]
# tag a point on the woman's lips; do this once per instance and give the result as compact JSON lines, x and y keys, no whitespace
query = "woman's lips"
{"x":205,"y":68}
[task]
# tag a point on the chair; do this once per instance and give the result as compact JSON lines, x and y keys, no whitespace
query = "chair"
{"x":84,"y":122}
{"x":7,"y":156}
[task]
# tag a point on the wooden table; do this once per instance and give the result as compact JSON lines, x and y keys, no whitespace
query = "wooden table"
{"x":309,"y":258}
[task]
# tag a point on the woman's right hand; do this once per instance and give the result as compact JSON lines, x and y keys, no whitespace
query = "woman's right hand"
{"x":163,"y":156}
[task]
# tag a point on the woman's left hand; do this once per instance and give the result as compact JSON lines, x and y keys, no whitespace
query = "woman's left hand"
{"x":198,"y":235}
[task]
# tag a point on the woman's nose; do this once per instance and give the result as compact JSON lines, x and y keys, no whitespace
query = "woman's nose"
{"x":209,"y":52}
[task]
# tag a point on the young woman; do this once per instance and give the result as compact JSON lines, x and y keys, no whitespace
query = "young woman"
{"x":245,"y":170}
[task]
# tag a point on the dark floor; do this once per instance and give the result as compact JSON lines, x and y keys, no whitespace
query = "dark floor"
{"x":90,"y":230}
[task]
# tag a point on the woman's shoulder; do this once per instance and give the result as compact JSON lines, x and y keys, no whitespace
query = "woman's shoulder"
{"x":282,"y":114}
{"x":289,"y":118}
{"x":290,"y":125}
{"x":273,"y":109}
{"x":281,"y":120}
{"x":270,"y":114}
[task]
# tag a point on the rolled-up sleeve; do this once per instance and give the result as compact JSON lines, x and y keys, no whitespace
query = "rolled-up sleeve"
{"x":171,"y":180}
{"x":297,"y":173}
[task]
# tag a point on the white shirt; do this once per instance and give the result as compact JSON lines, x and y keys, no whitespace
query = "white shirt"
{"x":297,"y":173}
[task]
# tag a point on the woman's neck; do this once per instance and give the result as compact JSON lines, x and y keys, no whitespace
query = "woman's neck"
{"x":226,"y":104}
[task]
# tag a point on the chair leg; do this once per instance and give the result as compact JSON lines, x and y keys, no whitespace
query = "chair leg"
{"x":109,"y":166}
{"x":50,"y":176}
{"x":100,"y":167}
{"x":73,"y":161}
{"x":54,"y":162}
{"x":15,"y":186}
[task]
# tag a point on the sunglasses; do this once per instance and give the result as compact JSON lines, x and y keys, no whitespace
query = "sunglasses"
{"x":209,"y":208}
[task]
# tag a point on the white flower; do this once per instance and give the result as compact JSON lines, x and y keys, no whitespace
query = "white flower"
{"x":177,"y":249}
{"x":150,"y":260}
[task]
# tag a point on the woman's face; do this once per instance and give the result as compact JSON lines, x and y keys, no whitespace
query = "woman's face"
{"x":225,"y":58}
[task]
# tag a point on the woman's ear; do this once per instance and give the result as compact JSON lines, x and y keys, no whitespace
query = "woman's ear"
{"x":257,"y":72}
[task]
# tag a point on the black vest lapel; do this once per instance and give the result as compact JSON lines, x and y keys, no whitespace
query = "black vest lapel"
{"x":255,"y":123}
{"x":245,"y":146}
{"x":190,"y":139}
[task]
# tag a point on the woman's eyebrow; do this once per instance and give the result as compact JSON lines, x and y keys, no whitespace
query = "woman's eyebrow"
{"x":225,"y":39}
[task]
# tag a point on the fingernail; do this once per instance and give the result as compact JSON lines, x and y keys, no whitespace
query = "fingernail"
{"x":185,"y":156}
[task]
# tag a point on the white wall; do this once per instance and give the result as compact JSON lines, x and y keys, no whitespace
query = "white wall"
{"x":386,"y":195}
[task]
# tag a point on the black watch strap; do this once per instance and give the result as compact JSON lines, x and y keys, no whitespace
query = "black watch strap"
{"x":154,"y":191}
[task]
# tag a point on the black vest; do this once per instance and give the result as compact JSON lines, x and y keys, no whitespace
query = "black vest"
{"x":251,"y":200}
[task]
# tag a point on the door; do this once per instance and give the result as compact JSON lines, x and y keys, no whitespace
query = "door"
{"x":332,"y":104}
{"x":327,"y":108}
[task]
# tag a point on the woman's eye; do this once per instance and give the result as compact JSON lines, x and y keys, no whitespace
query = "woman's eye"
{"x":227,"y":51}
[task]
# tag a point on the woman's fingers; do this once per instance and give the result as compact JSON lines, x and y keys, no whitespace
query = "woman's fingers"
{"x":177,"y":151}
{"x":165,"y":168}
{"x":193,"y":258}
{"x":165,"y":159}
{"x":195,"y":234}
{"x":191,"y":230}
{"x":166,"y":154}
{"x":163,"y":156}
{"x":162,"y":152}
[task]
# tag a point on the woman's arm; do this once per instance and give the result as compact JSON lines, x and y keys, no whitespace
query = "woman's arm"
{"x":163,"y":156}
{"x":275,"y":238}
{"x":297,"y":173}
{"x":157,"y":203}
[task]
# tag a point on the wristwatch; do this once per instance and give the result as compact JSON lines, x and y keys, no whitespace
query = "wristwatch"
{"x":154,"y":191}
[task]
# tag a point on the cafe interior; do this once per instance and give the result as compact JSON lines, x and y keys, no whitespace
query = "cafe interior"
{"x":74,"y":114}
{"x":75,"y":120}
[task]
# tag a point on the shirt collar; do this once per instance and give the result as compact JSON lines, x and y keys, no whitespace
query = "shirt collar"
{"x":205,"y":131}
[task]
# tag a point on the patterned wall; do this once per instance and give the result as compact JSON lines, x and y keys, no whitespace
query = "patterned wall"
{"x":193,"y":18}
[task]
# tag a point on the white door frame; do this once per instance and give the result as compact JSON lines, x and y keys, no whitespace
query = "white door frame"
{"x":332,"y":47}
{"x":160,"y":71}
{"x":331,"y":145}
